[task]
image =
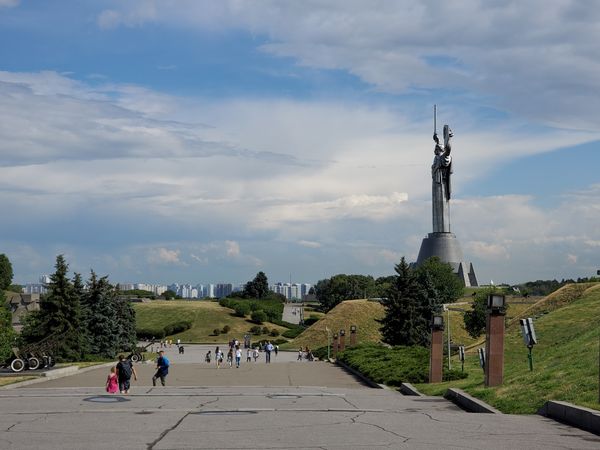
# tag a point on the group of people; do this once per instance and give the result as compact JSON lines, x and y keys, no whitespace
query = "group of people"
{"x":305,"y":353}
{"x":236,"y":352}
{"x":119,"y":378}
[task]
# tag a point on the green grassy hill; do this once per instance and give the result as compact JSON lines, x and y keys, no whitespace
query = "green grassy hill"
{"x":362,"y":313}
{"x":565,"y":359}
{"x":205,"y":317}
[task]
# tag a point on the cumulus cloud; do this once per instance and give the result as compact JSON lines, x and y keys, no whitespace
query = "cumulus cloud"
{"x":520,"y":56}
{"x":232,"y":249}
{"x":164,"y":256}
{"x":354,"y":179}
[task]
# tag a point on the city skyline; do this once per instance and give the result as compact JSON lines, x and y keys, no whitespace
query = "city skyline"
{"x":291,"y":291}
{"x":151,"y":142}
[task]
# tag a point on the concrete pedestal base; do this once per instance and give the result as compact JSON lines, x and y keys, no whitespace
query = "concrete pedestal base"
{"x":446,"y":247}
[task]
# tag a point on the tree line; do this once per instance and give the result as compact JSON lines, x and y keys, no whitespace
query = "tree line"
{"x":87,"y":319}
{"x":410,"y":297}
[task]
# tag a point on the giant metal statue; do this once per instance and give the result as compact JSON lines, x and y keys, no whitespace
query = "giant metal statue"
{"x":442,"y":242}
{"x":441,"y":171}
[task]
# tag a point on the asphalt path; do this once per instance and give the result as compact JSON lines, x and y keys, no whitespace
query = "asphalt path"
{"x":282,"y":405}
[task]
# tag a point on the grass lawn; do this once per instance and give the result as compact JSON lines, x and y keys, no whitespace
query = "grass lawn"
{"x":205,"y":317}
{"x":10,"y":380}
{"x":565,"y":360}
{"x":362,"y":313}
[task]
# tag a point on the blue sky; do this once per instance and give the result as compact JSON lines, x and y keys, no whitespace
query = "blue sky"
{"x":202,"y":141}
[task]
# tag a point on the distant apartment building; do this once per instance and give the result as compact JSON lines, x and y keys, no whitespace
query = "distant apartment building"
{"x":223,"y":289}
{"x":210,"y":291}
{"x":38,"y":288}
{"x":291,"y":291}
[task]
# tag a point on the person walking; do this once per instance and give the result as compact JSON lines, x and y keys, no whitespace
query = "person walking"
{"x":230,"y":358}
{"x":162,"y":368}
{"x":112,"y":382}
{"x":268,"y":350}
{"x":255,"y":353}
{"x":124,"y":371}
{"x":300,"y":352}
{"x":238,"y":357}
{"x":276,"y":349}
{"x":249,"y":355}
{"x":218,"y":357}
{"x":207,"y":357}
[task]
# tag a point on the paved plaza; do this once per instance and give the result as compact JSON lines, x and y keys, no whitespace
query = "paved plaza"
{"x":283,"y":405}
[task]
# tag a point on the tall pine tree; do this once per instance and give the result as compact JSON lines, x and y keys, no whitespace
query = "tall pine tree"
{"x":125,"y":314}
{"x":60,"y":314}
{"x":406,"y":320}
{"x":102,"y":326}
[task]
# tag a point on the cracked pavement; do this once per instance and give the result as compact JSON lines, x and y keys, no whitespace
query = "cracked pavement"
{"x":325,"y":409}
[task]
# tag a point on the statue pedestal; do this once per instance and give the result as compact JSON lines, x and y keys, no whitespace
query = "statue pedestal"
{"x":447,"y":248}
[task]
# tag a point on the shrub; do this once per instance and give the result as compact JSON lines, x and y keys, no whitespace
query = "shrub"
{"x":274,"y":332}
{"x":292,"y":332}
{"x":177,"y":327}
{"x":392,"y":366}
{"x":321,"y":353}
{"x":225,"y":302}
{"x":216,"y":332}
{"x":256,"y":330}
{"x":226,"y":329}
{"x":259,"y":316}
{"x":242,"y":309}
{"x":265,"y":330}
{"x":312,"y":319}
{"x":149,"y":333}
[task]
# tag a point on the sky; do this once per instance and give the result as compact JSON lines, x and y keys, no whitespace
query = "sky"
{"x":200,"y":141}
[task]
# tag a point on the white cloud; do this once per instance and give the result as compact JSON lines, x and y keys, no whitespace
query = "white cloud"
{"x":487,"y":251}
{"x":521,"y":56}
{"x":232,"y":249}
{"x":352,"y":178}
{"x":164,"y":256}
{"x":310,"y":244}
{"x":572,"y":259}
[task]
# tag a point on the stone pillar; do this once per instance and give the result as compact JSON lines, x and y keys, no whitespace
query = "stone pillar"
{"x":352,"y":335}
{"x":494,"y":348}
{"x":335,"y":345}
{"x":436,"y":354}
{"x":342,"y":340}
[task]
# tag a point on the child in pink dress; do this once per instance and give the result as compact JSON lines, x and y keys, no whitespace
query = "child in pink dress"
{"x":112,"y":383}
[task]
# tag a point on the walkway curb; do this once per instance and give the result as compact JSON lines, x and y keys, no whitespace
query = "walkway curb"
{"x":357,"y":374}
{"x":56,"y":373}
{"x":578,"y":416}
{"x":469,"y":403}
{"x":409,"y":389}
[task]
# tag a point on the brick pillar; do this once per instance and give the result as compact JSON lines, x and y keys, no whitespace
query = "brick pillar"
{"x":335,"y":345}
{"x":352,"y":336}
{"x":494,"y":349}
{"x":342,"y":340}
{"x":436,"y":355}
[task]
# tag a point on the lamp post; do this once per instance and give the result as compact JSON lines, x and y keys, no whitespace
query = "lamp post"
{"x":352,"y":335}
{"x":494,"y":343}
{"x":436,"y":354}
{"x":335,"y":345}
{"x":342,"y":340}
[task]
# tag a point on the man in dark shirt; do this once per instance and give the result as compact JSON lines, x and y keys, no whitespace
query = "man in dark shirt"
{"x":162,"y":368}
{"x":124,"y":371}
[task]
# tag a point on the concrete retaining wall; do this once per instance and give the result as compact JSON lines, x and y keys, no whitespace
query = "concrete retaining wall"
{"x":469,"y":403}
{"x":577,"y":416}
{"x":359,"y":375}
